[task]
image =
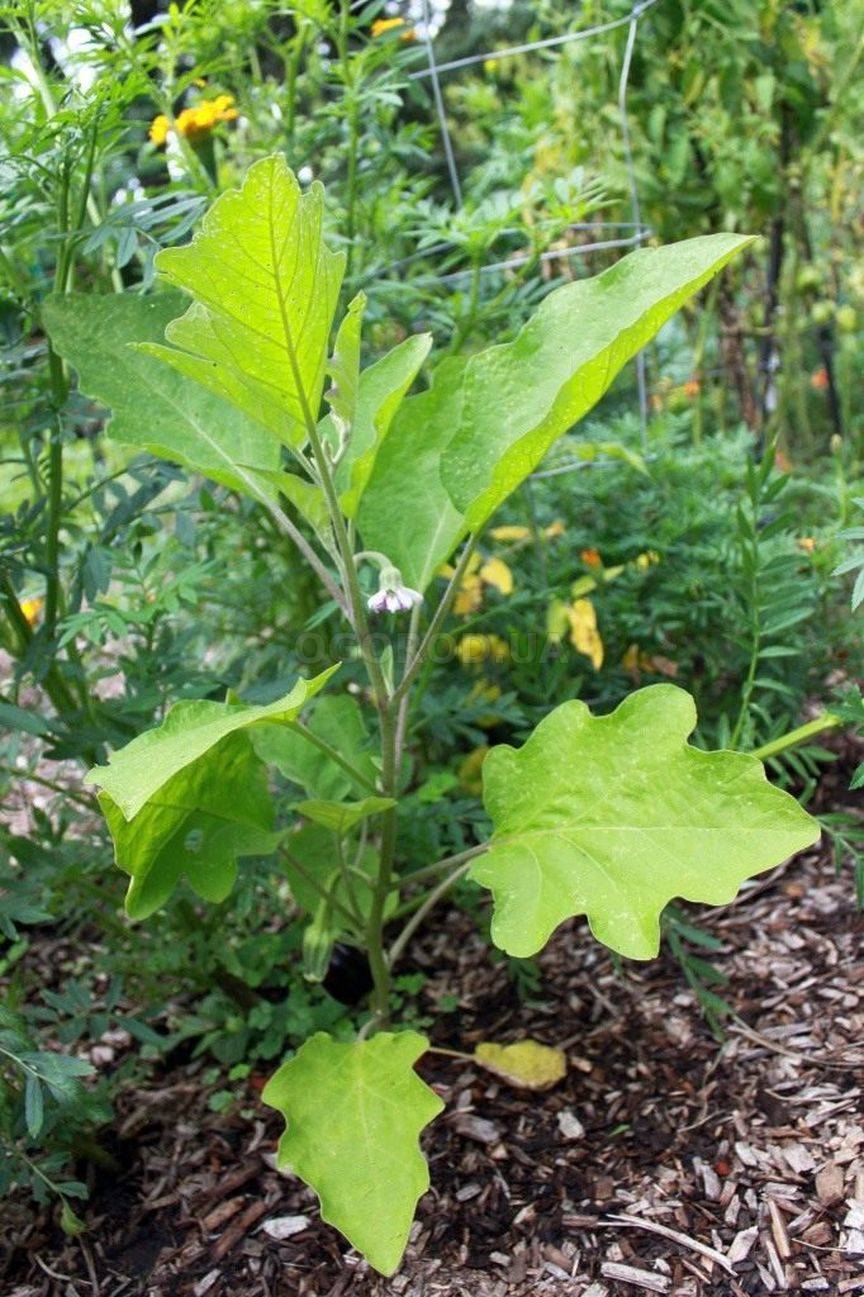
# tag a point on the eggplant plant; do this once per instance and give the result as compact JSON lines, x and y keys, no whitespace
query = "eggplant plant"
{"x":609,"y":816}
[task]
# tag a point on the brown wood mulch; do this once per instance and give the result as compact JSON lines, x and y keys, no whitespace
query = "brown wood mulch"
{"x":663,"y":1163}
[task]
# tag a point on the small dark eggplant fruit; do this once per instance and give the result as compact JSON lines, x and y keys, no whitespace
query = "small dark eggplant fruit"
{"x":349,"y":977}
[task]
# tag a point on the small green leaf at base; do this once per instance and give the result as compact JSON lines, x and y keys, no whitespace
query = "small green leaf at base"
{"x":354,"y":1114}
{"x":614,"y":816}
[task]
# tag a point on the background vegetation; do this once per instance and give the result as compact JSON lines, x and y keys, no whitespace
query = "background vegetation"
{"x":701,"y":543}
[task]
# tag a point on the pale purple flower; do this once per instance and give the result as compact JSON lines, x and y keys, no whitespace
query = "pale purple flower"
{"x":394,"y":598}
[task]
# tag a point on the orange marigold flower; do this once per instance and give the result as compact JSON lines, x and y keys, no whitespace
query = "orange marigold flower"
{"x":819,"y":379}
{"x":591,"y":557}
{"x":692,"y":388}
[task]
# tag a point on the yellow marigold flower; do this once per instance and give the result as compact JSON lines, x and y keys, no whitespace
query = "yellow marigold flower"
{"x":200,"y":120}
{"x":584,"y":635}
{"x":383,"y":25}
{"x":159,"y":128}
{"x":473,"y":649}
{"x":555,"y":529}
{"x":807,"y":543}
{"x":31,"y":609}
{"x":645,"y":560}
{"x":223,"y":107}
{"x":490,"y":65}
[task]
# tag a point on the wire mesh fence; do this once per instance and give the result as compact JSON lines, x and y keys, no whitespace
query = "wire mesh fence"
{"x":612,"y":234}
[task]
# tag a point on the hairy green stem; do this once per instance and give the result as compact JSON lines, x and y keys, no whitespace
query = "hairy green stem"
{"x":378,"y":962}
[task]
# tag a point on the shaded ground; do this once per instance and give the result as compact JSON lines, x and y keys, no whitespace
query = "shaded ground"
{"x":752,"y":1152}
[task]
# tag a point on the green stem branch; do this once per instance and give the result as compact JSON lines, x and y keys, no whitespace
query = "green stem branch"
{"x":827,"y":721}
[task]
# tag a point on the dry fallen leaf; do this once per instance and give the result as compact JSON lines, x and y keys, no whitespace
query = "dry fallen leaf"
{"x":527,"y":1064}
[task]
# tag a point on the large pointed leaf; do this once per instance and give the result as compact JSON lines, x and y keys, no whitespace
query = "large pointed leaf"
{"x":381,"y":390}
{"x":405,"y":510}
{"x":354,"y":1113}
{"x":153,"y":407}
{"x":456,"y":452}
{"x":137,"y":772}
{"x":613,"y":816}
{"x":265,"y":288}
{"x":195,"y":827}
{"x":521,"y":396}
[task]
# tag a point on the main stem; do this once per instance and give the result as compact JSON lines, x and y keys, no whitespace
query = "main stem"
{"x":378,"y":963}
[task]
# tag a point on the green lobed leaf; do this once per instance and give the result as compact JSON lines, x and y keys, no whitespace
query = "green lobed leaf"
{"x":457,"y":451}
{"x":154,"y":408}
{"x":354,"y":1113}
{"x":207,"y":815}
{"x":265,"y":288}
{"x":138,"y":771}
{"x":614,"y":816}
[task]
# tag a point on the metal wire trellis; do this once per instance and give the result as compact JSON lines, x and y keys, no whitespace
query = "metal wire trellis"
{"x":637,"y":231}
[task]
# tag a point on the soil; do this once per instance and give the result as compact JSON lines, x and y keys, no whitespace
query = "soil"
{"x":665,"y":1162}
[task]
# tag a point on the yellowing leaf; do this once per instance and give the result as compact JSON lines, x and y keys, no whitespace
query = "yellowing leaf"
{"x":557,"y":621}
{"x":527,"y":1064}
{"x":511,"y":532}
{"x":470,"y":768}
{"x":584,"y":634}
{"x":495,"y":572}
{"x":477,"y":648}
{"x":469,"y":596}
